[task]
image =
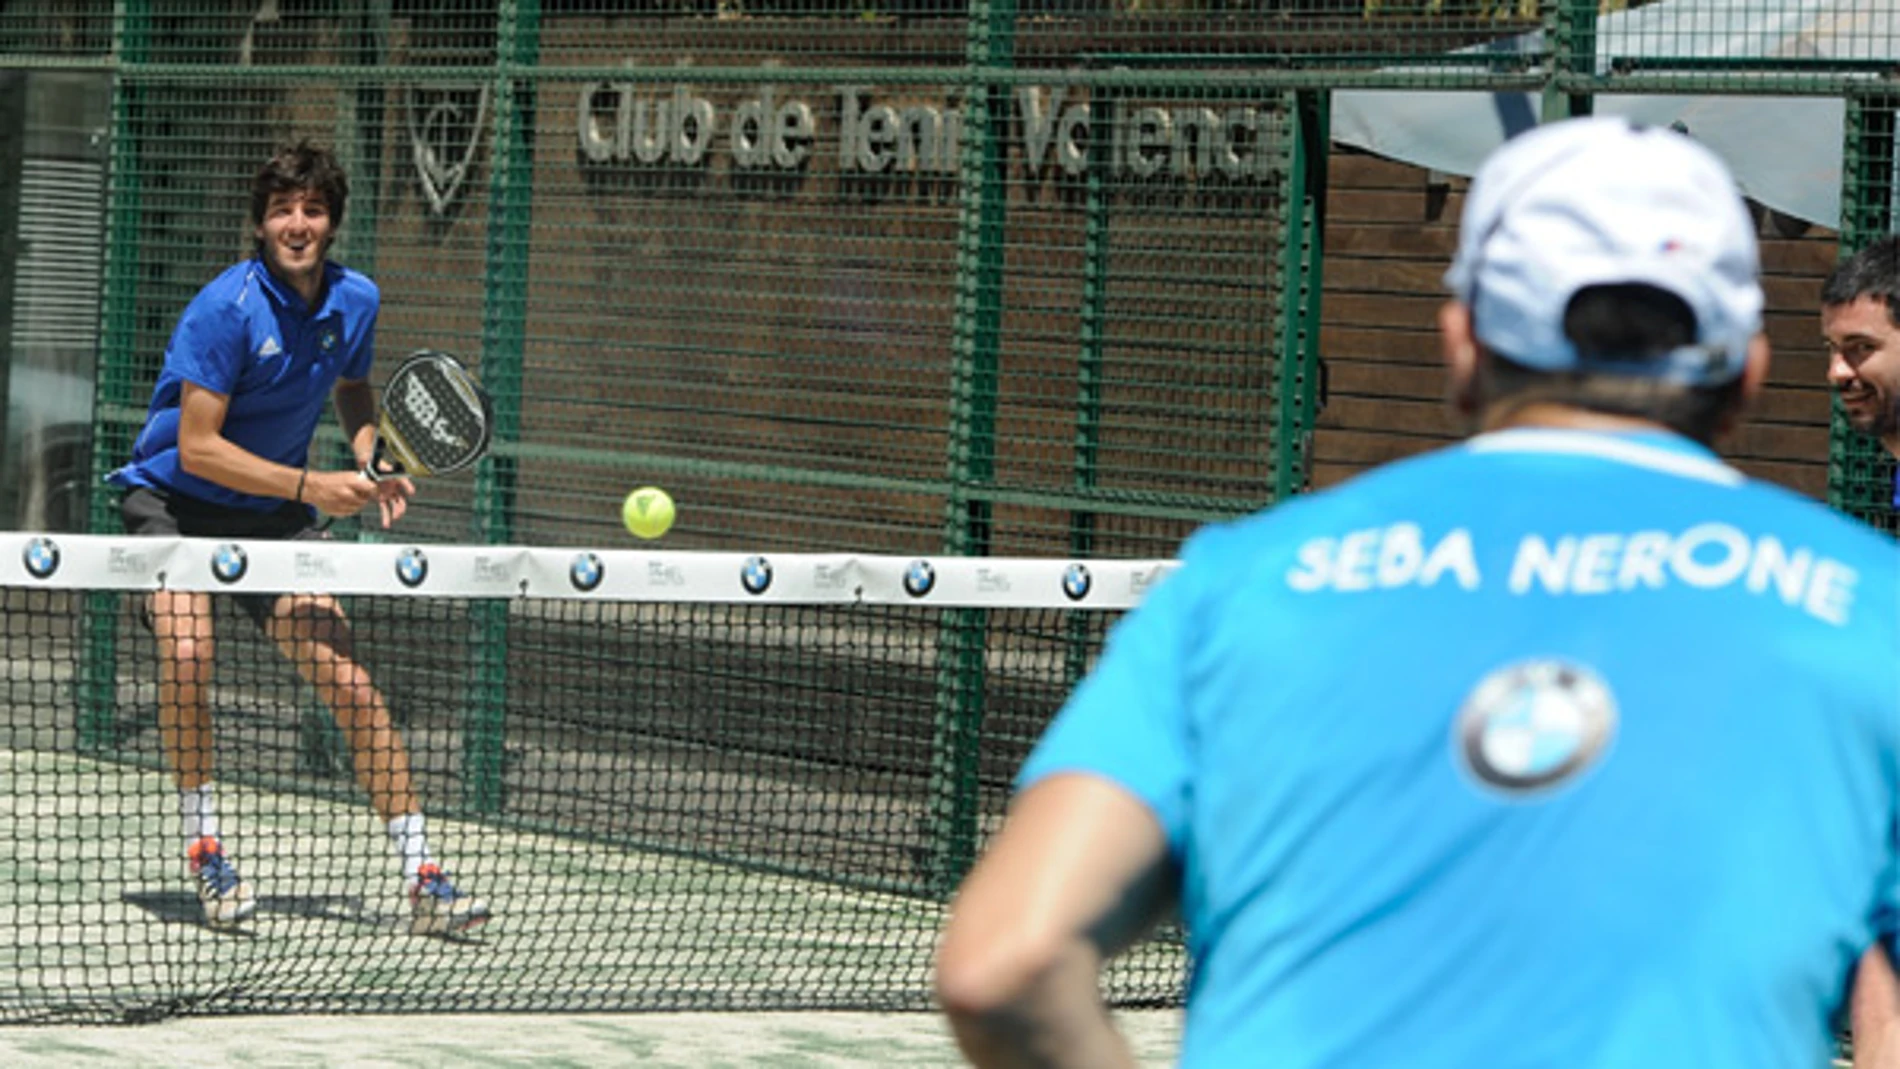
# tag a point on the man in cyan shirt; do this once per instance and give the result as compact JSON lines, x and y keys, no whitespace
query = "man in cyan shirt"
{"x":1569,"y":745}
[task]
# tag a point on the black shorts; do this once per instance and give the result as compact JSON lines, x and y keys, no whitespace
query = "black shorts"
{"x":156,"y":513}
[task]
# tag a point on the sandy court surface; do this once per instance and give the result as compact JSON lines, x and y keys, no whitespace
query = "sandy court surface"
{"x":658,"y":1041}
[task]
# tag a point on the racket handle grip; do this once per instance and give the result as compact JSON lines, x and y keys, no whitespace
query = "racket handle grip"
{"x":370,"y":470}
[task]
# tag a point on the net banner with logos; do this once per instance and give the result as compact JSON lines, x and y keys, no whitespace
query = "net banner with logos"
{"x":95,"y":562}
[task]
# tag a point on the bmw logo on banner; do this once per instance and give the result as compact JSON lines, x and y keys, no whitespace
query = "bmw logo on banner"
{"x":920,"y":578}
{"x":229,"y":563}
{"x":586,"y":572}
{"x":1076,"y":582}
{"x":41,"y":557}
{"x":755,"y":575}
{"x":412,"y":568}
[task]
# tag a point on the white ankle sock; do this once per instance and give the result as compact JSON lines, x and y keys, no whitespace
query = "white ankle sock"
{"x":406,"y":834}
{"x":198,"y":813}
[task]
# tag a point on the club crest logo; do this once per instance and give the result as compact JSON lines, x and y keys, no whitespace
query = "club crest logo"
{"x":1530,"y":726}
{"x":755,"y":575}
{"x":328,"y":341}
{"x":1077,"y":582}
{"x":229,"y":562}
{"x":41,"y":557}
{"x":920,"y":578}
{"x":445,"y":130}
{"x":412,"y":567}
{"x":586,"y":571}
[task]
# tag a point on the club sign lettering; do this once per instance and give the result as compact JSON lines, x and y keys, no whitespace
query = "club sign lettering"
{"x":639,"y":125}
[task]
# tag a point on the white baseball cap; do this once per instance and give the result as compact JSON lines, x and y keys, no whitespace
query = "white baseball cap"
{"x":1599,"y":201}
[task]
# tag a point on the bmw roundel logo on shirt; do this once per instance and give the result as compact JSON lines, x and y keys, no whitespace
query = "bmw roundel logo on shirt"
{"x":1532,"y":725}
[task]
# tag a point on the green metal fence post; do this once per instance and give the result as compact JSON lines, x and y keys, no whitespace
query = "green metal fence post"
{"x":1860,"y":474}
{"x":504,"y":327}
{"x":1302,"y":271}
{"x":1571,"y":29}
{"x":505,"y":282}
{"x":1092,"y":326}
{"x":113,"y":400}
{"x":982,"y":202}
{"x":359,"y":135}
{"x":1088,"y":386}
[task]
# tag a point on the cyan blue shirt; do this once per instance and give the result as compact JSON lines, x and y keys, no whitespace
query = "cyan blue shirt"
{"x":252,"y":338}
{"x":1553,"y":748}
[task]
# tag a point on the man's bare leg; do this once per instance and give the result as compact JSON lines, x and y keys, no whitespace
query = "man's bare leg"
{"x":311,"y":630}
{"x":181,"y":624}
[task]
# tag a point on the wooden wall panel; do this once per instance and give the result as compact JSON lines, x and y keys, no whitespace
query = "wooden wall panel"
{"x":1391,"y":232}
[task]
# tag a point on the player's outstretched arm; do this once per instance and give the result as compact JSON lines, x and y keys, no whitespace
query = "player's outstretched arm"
{"x":1079,"y":871}
{"x":205,"y":452}
{"x":1876,"y":1013}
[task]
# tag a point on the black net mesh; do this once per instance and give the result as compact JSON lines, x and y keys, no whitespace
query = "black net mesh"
{"x":710,"y":803}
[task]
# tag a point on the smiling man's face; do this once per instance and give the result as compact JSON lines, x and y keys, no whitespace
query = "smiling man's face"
{"x":1863,"y":363}
{"x":295,"y":236}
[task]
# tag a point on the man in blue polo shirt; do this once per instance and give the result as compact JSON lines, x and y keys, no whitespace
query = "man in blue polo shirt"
{"x":1569,"y":746}
{"x":225,"y":454}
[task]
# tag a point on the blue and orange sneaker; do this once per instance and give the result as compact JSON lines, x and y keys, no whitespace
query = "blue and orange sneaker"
{"x":437,"y":908}
{"x":227,"y":899}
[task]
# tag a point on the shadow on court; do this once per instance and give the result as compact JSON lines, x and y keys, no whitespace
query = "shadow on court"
{"x":180,"y":907}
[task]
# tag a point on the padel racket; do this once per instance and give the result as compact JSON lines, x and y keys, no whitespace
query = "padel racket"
{"x":436,"y":419}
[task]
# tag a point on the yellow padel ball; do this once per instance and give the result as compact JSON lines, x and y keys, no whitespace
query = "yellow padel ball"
{"x":647,"y":512}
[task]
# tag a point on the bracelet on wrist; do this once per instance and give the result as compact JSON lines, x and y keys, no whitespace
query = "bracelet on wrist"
{"x":303,"y":476}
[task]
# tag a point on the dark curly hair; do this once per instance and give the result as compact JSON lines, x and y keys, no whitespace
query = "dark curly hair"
{"x":300,"y":167}
{"x":1872,"y":272}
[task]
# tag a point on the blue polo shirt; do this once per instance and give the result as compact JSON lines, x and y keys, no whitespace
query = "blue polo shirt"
{"x":249,"y":336}
{"x":1554,"y":748}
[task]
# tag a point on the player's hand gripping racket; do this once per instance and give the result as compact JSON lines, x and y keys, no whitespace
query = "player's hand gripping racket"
{"x":436,"y":419}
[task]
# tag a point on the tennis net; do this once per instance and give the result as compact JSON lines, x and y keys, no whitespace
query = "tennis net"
{"x":679,"y":780}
